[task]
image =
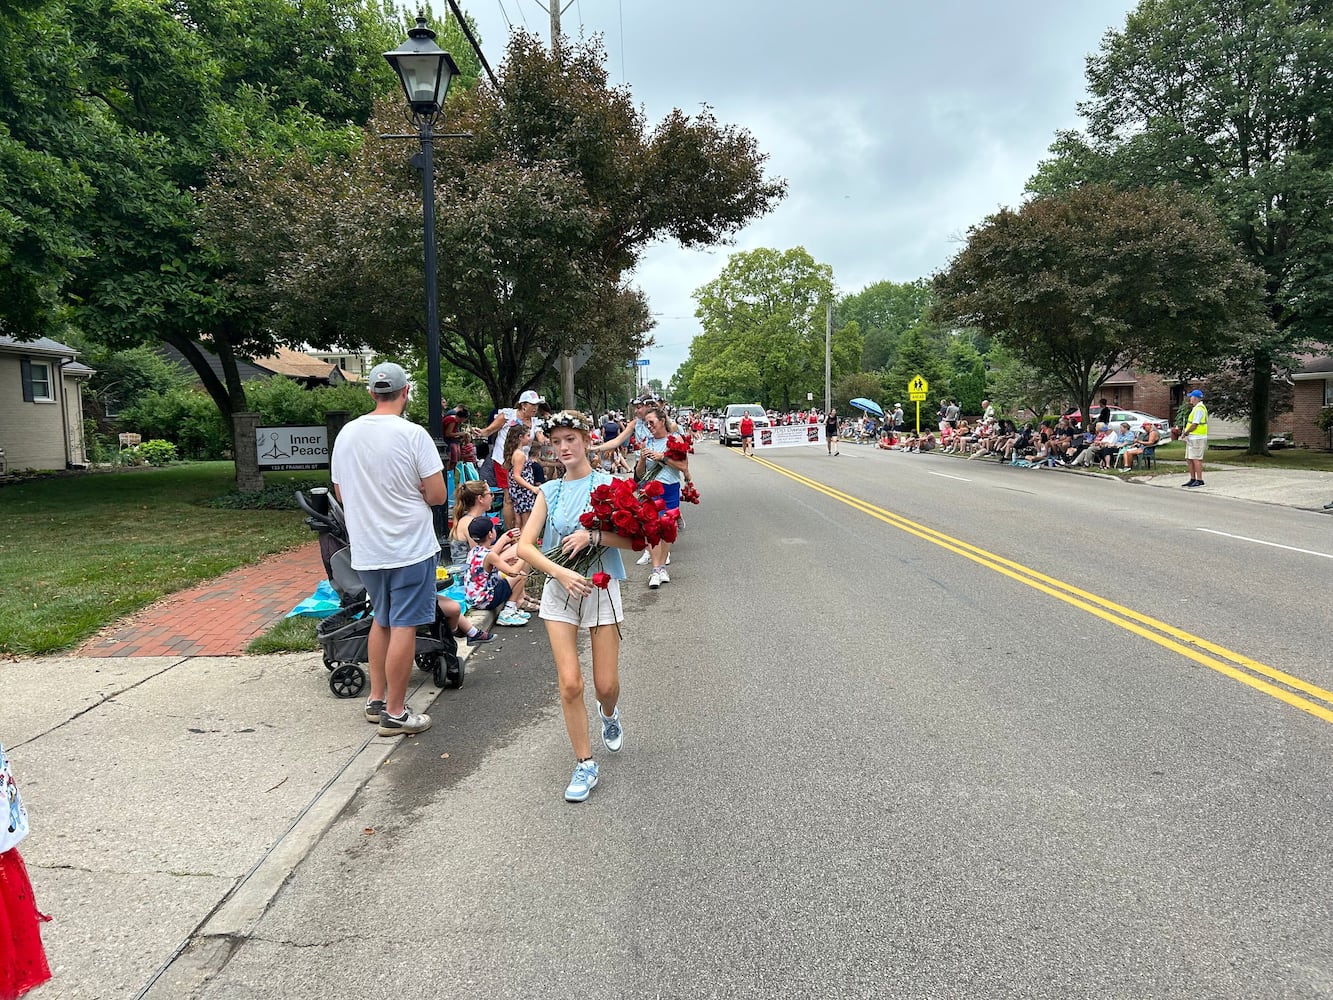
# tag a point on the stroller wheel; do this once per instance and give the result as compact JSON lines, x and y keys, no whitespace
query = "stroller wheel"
{"x":347,"y":681}
{"x":449,"y":671}
{"x":329,"y":664}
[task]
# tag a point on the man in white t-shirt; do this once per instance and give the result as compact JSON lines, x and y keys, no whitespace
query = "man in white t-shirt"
{"x":506,"y":417}
{"x":387,"y":473}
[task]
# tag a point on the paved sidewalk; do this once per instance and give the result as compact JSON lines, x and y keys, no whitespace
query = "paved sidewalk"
{"x":218,"y":617}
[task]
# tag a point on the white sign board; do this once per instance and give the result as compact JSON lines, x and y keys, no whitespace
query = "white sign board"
{"x":788,"y":435}
{"x":285,"y":448}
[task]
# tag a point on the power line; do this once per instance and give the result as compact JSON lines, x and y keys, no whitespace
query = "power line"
{"x":505,"y":14}
{"x":620,"y":4}
{"x":467,"y":33}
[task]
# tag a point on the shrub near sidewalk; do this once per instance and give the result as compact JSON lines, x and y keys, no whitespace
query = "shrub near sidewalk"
{"x":78,"y":552}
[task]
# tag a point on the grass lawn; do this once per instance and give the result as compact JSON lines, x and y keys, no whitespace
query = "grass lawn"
{"x":1231,"y":451}
{"x":78,"y":552}
{"x":289,"y":635}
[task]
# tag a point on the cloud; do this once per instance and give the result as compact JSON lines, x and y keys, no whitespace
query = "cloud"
{"x":896,"y":126}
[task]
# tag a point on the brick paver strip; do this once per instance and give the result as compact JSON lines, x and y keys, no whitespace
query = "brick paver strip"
{"x":219,"y":617}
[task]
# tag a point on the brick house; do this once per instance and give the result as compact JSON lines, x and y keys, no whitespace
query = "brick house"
{"x":41,"y":405}
{"x":1312,"y":390}
{"x":1312,"y":384}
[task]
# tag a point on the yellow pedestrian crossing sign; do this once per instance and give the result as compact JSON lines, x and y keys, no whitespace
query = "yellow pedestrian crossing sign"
{"x":917,"y":389}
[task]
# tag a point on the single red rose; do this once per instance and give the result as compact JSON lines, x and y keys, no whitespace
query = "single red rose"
{"x":638,"y":544}
{"x":602,"y":580}
{"x":588,"y":519}
{"x":602,"y":509}
{"x":647,"y":511}
{"x":659,"y":503}
{"x":653,"y":488}
{"x":668,"y":531}
{"x":623,"y":520}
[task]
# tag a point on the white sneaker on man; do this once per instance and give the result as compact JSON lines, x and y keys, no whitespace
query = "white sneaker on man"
{"x":663,"y":575}
{"x":645,"y":559}
{"x":655,"y":579}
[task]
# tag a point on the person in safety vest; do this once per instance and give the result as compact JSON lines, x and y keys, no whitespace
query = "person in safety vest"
{"x":1196,"y":439}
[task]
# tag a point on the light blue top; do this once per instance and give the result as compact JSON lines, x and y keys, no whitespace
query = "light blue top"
{"x":666,"y":474}
{"x":642,"y":435}
{"x":566,"y":499}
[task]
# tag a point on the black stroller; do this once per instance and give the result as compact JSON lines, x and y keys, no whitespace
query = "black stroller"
{"x":344,"y":636}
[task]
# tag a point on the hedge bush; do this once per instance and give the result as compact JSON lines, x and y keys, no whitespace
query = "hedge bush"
{"x":189,"y":419}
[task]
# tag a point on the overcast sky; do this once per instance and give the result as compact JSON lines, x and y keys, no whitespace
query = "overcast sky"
{"x":897,"y":126}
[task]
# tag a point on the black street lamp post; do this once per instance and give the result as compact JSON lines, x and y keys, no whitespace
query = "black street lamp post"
{"x":426,"y":71}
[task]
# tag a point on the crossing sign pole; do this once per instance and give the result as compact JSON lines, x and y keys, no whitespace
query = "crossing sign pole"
{"x":916,"y":392}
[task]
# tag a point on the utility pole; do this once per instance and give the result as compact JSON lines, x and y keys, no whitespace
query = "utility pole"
{"x":566,"y":362}
{"x":828,"y":356}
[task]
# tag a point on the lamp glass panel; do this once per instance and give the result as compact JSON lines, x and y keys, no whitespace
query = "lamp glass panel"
{"x":421,"y":75}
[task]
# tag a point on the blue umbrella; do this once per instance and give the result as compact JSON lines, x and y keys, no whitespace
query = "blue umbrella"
{"x":869,"y":405}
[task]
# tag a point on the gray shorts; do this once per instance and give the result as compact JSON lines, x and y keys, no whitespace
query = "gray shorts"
{"x":1195,"y":446}
{"x":404,"y":596}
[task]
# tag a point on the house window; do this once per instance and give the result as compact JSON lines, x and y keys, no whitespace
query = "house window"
{"x":36,"y":381}
{"x":1328,"y":392}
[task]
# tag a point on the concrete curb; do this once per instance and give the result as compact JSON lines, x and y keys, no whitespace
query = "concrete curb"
{"x":211,"y":944}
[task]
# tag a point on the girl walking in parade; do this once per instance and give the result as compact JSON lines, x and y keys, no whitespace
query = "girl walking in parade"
{"x":574,"y":599}
{"x":656,"y":464}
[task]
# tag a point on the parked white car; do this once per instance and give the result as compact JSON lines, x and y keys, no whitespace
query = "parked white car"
{"x":1135,"y":419}
{"x":729,"y":432}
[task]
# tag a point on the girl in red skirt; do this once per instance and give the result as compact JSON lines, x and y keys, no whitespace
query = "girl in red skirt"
{"x":22,"y":960}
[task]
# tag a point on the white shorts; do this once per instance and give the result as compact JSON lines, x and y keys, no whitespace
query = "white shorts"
{"x":1195,"y":445}
{"x":601,"y":607}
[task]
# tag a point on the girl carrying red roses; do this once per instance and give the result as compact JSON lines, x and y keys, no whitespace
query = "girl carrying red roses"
{"x":671,"y":468}
{"x":571,"y":600}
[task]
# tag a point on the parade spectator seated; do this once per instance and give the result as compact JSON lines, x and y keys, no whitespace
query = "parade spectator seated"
{"x":1147,"y":438}
{"x":1089,"y":452}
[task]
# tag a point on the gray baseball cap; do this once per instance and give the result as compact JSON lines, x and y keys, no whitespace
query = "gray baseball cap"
{"x":387,"y":377}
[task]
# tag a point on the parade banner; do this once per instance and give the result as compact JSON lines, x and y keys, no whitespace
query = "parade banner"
{"x":788,"y":436}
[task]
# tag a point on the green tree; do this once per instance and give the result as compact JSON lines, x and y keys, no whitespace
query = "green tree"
{"x":763,"y":330}
{"x":540,"y":217}
{"x":1085,"y":284}
{"x":132,"y":102}
{"x":1017,"y":388}
{"x":966,"y":373}
{"x":854,"y":386}
{"x":884,"y":311}
{"x":917,"y":355}
{"x":1230,"y":100}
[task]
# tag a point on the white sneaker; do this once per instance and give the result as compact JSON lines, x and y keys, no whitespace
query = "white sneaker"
{"x":663,"y":575}
{"x":668,"y":562}
{"x":645,"y":559}
{"x":655,"y":579}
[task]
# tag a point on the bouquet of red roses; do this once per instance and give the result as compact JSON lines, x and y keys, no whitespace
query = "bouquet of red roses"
{"x":677,"y":447}
{"x":689,"y":493}
{"x":626,"y":509}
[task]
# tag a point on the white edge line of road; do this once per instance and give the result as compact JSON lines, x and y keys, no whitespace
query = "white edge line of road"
{"x":210,"y":945}
{"x":1260,"y":541}
{"x":944,"y":475}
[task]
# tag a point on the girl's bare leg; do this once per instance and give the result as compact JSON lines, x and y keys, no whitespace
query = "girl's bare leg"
{"x":606,"y":666}
{"x":564,"y":647}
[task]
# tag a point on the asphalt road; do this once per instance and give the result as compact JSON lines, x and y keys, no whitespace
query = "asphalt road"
{"x":954,"y":731}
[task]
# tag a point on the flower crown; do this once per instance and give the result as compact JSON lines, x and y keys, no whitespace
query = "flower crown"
{"x":572,"y":419}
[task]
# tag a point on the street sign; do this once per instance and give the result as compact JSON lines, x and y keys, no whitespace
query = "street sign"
{"x":917,"y":389}
{"x":640,"y":362}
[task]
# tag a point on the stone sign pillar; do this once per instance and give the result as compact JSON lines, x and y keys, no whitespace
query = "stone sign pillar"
{"x":334,"y":421}
{"x":248,"y":477}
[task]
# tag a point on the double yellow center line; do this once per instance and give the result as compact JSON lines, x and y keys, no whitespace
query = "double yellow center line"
{"x":1292,"y":690}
